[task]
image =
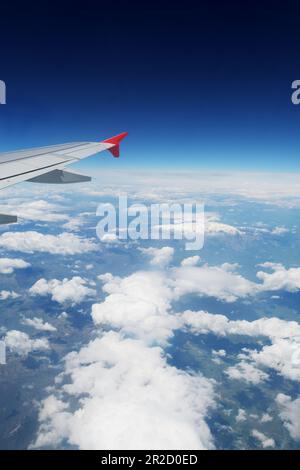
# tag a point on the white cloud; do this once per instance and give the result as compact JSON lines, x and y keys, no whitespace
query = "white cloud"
{"x":110,"y":238}
{"x":219,"y":353}
{"x":214,"y":228}
{"x":282,"y":355}
{"x":74,"y":224}
{"x":247,"y":372}
{"x":190,"y":261}
{"x":241,"y":416}
{"x":189,"y":230}
{"x":279,"y":230}
{"x":226,"y":284}
{"x":138,"y":304}
{"x":63,"y":316}
{"x":215,"y":281}
{"x":5,"y":294}
{"x":72,"y":290}
{"x":281,"y":189}
{"x":8,"y":265}
{"x":128,"y":398}
{"x":62,"y":244}
{"x":20,"y":343}
{"x":263,"y":439}
{"x":38,"y":210}
{"x":266,"y":418}
{"x":160,"y":256}
{"x":280,"y":278}
{"x":132,"y":397}
{"x":290,"y":414}
{"x":203,"y":322}
{"x":38,"y":324}
{"x":272,"y":188}
{"x":124,"y":392}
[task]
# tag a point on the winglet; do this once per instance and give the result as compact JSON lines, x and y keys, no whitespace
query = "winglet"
{"x":115,"y":141}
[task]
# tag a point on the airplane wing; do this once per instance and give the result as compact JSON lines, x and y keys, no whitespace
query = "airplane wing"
{"x":46,"y":164}
{"x":31,"y":164}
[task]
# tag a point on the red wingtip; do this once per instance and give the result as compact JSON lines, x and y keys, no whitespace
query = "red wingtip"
{"x":115,"y":150}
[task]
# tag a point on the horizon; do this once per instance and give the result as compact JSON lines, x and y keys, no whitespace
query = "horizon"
{"x":209,"y":86}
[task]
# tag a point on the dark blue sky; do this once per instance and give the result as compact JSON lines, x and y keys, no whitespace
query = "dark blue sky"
{"x":196,"y":84}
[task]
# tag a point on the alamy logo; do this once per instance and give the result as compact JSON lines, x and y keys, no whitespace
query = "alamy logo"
{"x":2,"y":92}
{"x":295,"y":97}
{"x":155,"y":222}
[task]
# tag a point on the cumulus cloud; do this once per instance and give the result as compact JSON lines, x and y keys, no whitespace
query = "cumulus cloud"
{"x":219,"y":353}
{"x":38,"y":324}
{"x":282,"y":354}
{"x":241,"y":416}
{"x":280,"y":279}
{"x":159,"y":256}
{"x":6,"y":294}
{"x":266,"y":418}
{"x":37,"y":210}
{"x":110,"y":238}
{"x":74,"y":224}
{"x":72,"y":290}
{"x":225,"y":283}
{"x":190,"y":261}
{"x":189,"y":230}
{"x":130,"y":398}
{"x":62,"y":244}
{"x":8,"y":265}
{"x":214,"y":228}
{"x":247,"y":372}
{"x":20,"y":343}
{"x":139,"y":304}
{"x":290,"y":414}
{"x":119,"y":391}
{"x":203,"y":322}
{"x":263,"y":439}
{"x":215,"y":281}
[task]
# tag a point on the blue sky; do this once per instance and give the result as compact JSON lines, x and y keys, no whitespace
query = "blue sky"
{"x":207,"y":86}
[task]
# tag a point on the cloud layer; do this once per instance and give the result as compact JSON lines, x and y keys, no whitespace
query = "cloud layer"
{"x":72,"y":290}
{"x":20,"y":343}
{"x":8,"y":265}
{"x":31,"y":242}
{"x":127,"y":394}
